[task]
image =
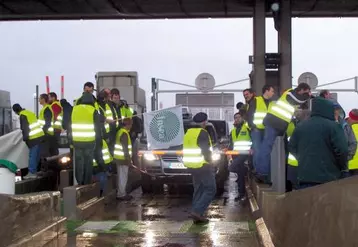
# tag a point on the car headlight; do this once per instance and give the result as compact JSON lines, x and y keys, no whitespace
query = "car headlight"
{"x":65,"y":160}
{"x":150,"y":156}
{"x":215,"y":156}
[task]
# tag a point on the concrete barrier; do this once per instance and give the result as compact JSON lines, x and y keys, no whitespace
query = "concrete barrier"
{"x":323,"y":215}
{"x":30,"y":219}
{"x":81,"y":202}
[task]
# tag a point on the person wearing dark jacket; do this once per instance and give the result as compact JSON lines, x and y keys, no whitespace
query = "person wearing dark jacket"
{"x":320,"y":146}
{"x":67,"y":112}
{"x":86,"y":134}
{"x":32,"y":135}
{"x":276,"y":121}
{"x":197,"y":157}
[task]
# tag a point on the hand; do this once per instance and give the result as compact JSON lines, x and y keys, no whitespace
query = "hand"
{"x":251,"y":152}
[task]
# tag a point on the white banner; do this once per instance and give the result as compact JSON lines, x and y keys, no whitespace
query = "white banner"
{"x":164,"y":128}
{"x":14,"y":149}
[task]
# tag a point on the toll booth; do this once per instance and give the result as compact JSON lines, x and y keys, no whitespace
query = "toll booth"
{"x":5,"y":113}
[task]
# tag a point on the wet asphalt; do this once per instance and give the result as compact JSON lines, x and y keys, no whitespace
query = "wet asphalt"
{"x":161,"y":220}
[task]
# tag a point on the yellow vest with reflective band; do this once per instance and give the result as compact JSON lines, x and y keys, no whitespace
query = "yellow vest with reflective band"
{"x":192,"y":155}
{"x":35,"y":130}
{"x":242,"y":141}
{"x":291,"y":159}
{"x":353,"y":163}
{"x":57,"y":125}
{"x":126,"y":112}
{"x":42,"y":121}
{"x":282,"y":109}
{"x":83,"y":129}
{"x":118,"y":149}
{"x":260,"y":112}
{"x":107,"y":157}
{"x":105,"y":113}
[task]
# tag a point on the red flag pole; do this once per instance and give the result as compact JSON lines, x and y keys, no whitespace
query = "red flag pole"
{"x":62,"y":87}
{"x":47,"y":84}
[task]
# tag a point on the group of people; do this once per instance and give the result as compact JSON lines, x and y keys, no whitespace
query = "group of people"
{"x":320,"y":142}
{"x":99,"y":130}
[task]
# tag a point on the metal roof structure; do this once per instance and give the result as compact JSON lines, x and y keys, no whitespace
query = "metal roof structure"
{"x":12,"y":10}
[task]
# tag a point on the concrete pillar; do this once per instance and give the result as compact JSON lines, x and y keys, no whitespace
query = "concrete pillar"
{"x":285,"y":45}
{"x":259,"y":33}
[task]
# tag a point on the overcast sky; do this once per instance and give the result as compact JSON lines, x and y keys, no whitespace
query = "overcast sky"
{"x":176,"y":50}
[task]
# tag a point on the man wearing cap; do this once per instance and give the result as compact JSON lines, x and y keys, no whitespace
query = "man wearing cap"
{"x":353,"y":121}
{"x":197,"y":151}
{"x":32,"y":135}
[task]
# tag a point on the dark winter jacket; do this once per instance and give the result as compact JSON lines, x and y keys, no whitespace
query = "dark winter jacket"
{"x":319,"y":145}
{"x":67,"y":112}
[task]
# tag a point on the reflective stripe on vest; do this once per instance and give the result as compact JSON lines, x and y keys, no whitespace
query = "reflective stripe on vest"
{"x":242,"y":141}
{"x":106,"y":156}
{"x":282,"y":109}
{"x":126,"y":112}
{"x":58,"y":121}
{"x":83,"y":129}
{"x":42,"y":121}
{"x":292,"y":161}
{"x":260,"y":112}
{"x":35,"y":129}
{"x":104,"y":113}
{"x":192,"y":155}
{"x":118,"y":149}
{"x":353,"y":163}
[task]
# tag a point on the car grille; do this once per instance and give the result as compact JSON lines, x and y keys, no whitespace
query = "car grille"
{"x":176,"y":171}
{"x":170,"y":158}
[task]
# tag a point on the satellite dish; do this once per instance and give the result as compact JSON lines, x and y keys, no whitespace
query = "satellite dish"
{"x":205,"y":82}
{"x":309,"y":78}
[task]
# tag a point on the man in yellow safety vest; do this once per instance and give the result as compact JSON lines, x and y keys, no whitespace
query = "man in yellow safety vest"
{"x":33,"y":135}
{"x":197,"y":157}
{"x":46,"y":118}
{"x":240,"y":142}
{"x":255,"y":115}
{"x":278,"y":116}
{"x":85,"y":135}
{"x":123,"y":158}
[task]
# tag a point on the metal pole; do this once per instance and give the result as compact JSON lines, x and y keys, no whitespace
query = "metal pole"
{"x":177,"y":83}
{"x":156,"y":95}
{"x":356,"y":84}
{"x":37,"y":101}
{"x":278,"y":166}
{"x":233,"y":82}
{"x":335,"y":82}
{"x":153,"y":94}
{"x":196,"y":91}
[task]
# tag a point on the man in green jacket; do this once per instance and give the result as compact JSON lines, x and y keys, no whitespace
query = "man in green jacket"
{"x":320,"y":146}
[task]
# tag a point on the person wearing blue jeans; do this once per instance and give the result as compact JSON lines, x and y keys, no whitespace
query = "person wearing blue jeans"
{"x":257,"y":137}
{"x":34,"y":158}
{"x":204,"y":188}
{"x":238,"y":166}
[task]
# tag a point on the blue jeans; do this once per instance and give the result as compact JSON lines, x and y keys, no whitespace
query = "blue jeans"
{"x":256,"y":136}
{"x":264,"y":159}
{"x":204,"y":184}
{"x":238,"y":166}
{"x":34,"y":158}
{"x":102,"y":178}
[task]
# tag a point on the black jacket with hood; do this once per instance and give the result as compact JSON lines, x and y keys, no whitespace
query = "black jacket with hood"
{"x":319,"y":145}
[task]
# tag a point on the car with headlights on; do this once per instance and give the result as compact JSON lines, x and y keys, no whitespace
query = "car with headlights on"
{"x":159,"y":167}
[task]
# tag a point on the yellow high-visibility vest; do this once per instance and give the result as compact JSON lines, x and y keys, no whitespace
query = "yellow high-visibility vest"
{"x":96,"y":105}
{"x":42,"y":121}
{"x":83,"y":129}
{"x":107,"y":157}
{"x":126,"y":112}
{"x":292,"y":161}
{"x":192,"y":155}
{"x":242,"y":141}
{"x":118,"y":148}
{"x":353,"y":163}
{"x":282,"y":108}
{"x":57,"y":125}
{"x":35,"y":130}
{"x":108,"y":115}
{"x":260,"y":112}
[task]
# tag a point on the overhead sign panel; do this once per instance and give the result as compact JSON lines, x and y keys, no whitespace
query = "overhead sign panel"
{"x":206,"y":100}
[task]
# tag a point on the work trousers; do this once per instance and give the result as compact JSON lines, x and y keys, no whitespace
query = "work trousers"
{"x":34,"y":158}
{"x":204,"y":184}
{"x":53,"y":143}
{"x":257,"y":137}
{"x":238,"y":166}
{"x":264,"y":160}
{"x":122,"y":176}
{"x":84,"y":165}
